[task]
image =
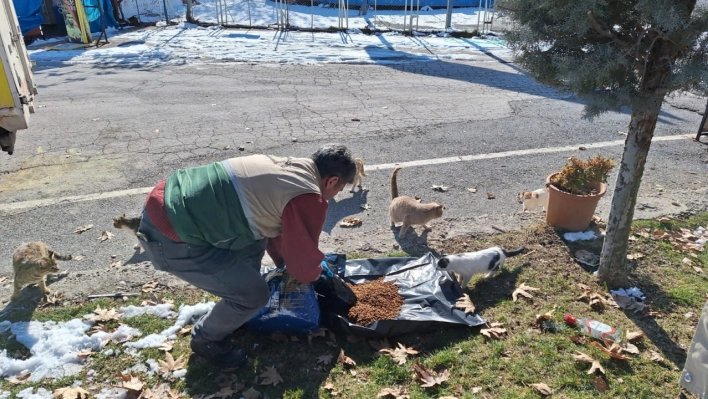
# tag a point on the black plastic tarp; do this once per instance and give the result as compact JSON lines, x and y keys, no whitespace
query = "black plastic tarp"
{"x":429,"y":296}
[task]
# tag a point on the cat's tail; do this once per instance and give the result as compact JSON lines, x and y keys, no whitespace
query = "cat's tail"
{"x":60,"y":256}
{"x":394,"y":183}
{"x":514,"y":252}
{"x":363,"y":173}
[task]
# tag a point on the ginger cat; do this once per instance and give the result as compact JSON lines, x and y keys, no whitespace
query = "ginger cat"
{"x":409,"y":211}
{"x":32,"y":262}
{"x":359,"y":173}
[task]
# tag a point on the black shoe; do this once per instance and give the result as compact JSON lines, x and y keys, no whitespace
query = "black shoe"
{"x":221,"y":353}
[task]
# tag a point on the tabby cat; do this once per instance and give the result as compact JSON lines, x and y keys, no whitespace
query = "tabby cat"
{"x":129,"y":224}
{"x":409,"y":211}
{"x":32,"y":262}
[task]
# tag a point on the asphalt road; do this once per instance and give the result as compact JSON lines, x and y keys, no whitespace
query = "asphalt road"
{"x":108,"y":129}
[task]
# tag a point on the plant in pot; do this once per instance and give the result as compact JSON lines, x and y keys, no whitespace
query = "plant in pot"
{"x":573,"y":193}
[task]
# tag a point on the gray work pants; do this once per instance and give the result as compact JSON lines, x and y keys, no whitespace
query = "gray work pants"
{"x":233,"y":276}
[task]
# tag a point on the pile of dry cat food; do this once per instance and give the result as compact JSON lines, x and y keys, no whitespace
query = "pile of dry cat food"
{"x":375,"y":300}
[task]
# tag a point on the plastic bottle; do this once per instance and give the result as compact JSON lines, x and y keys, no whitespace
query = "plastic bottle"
{"x":595,"y":328}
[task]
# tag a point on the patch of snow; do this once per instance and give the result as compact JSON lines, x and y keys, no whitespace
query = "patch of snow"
{"x":53,"y":347}
{"x":4,"y":394}
{"x":179,"y":373}
{"x":29,"y":394}
{"x":112,"y":393}
{"x":586,"y":235}
{"x":163,"y":310}
{"x":154,"y":366}
{"x":188,"y":314}
{"x":633,"y":292}
{"x":138,"y":368}
{"x":150,"y":341}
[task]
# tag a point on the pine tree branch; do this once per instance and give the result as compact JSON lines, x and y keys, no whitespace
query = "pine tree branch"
{"x":622,"y":42}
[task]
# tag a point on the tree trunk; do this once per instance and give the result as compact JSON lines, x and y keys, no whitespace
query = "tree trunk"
{"x":613,"y":270}
{"x":188,"y":15}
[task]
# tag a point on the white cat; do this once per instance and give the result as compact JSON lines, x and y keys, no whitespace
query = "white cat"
{"x":468,"y":264}
{"x":533,"y":199}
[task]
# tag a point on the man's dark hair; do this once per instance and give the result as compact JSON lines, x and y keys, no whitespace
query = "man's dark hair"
{"x":335,"y":160}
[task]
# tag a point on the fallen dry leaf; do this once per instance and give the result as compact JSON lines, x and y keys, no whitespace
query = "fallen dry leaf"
{"x":545,"y":316}
{"x":170,"y":363}
{"x":523,"y":290}
{"x":70,"y":393}
{"x":101,"y":314}
{"x":51,"y":299}
{"x":493,"y":331}
{"x":662,"y":219}
{"x":229,"y":389}
{"x":130,"y":382}
{"x":654,"y":314}
{"x":400,"y":354}
{"x":78,"y":258}
{"x":166,"y":346}
{"x":271,"y":376}
{"x":106,"y":235}
{"x":429,"y":378}
{"x":634,"y":335}
{"x":697,"y":269}
{"x":4,"y":279}
{"x":85,"y":353}
{"x":325,"y":359}
{"x":321,"y":333}
{"x":490,"y":196}
{"x":687,"y":261}
{"x":150,"y":286}
{"x":378,"y":345}
{"x":350,"y":222}
{"x":599,"y":383}
{"x":396,"y":393}
{"x":542,"y":388}
{"x":116,"y":263}
{"x":441,"y":189}
{"x":83,"y":228}
{"x":595,"y":365}
{"x":472,"y":189}
{"x":655,"y":356}
{"x":614,"y":350}
{"x":465,"y":303}
{"x":630,"y":348}
{"x":19,"y":379}
{"x":635,"y":256}
{"x":345,"y":360}
{"x":185,"y":330}
{"x":251,"y":393}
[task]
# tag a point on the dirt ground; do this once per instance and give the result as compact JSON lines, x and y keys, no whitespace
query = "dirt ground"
{"x":446,"y":236}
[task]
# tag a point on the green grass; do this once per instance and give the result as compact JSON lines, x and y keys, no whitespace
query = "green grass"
{"x":493,"y":368}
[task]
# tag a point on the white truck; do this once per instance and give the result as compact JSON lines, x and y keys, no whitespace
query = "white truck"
{"x":17,"y":87}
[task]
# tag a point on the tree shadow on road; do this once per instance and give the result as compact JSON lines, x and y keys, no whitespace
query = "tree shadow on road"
{"x":514,"y":80}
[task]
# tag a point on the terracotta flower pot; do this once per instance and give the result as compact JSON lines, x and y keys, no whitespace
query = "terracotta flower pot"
{"x":569,"y":211}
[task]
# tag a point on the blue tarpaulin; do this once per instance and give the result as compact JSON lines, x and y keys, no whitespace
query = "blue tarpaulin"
{"x":94,"y":16}
{"x":28,"y":14}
